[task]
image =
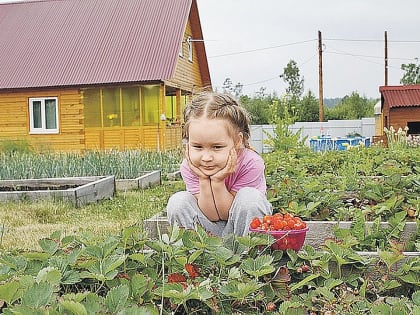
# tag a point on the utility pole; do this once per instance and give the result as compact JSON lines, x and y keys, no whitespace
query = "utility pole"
{"x":321,"y":93}
{"x":386,"y":58}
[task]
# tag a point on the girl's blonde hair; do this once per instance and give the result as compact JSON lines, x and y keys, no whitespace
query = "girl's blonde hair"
{"x":214,"y":105}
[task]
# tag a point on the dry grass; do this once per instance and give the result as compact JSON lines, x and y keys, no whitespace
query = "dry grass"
{"x":22,"y":224}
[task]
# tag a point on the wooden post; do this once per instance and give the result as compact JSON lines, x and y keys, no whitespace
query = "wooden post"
{"x":386,"y":58}
{"x":321,"y":94}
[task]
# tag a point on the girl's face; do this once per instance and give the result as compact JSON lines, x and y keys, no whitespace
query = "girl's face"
{"x":209,"y":144}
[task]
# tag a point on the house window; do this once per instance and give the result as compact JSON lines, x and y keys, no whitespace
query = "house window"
{"x":150,"y":95}
{"x":92,"y":108}
{"x":190,"y":49}
{"x":111,"y":107}
{"x":130,"y":106}
{"x":43,"y":115}
{"x":413,"y":127}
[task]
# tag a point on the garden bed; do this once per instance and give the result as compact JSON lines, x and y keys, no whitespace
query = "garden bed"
{"x":77,"y":190}
{"x":146,"y":180}
{"x":318,"y":232}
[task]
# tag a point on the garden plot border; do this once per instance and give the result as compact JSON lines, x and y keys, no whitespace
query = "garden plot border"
{"x":318,"y":232}
{"x":83,"y":190}
{"x":146,"y":180}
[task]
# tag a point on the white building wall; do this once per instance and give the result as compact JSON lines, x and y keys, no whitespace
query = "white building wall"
{"x":333,"y":128}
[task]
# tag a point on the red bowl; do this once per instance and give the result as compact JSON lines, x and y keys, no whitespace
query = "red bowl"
{"x":290,"y":239}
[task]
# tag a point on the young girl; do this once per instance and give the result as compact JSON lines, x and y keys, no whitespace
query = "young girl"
{"x":224,"y":178}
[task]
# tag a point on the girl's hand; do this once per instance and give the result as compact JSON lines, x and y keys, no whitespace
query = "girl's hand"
{"x":194,"y":168}
{"x":229,"y":168}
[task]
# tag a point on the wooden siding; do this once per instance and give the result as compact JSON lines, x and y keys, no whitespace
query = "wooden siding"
{"x":146,"y":138}
{"x":187,"y":74}
{"x":15,"y":125}
{"x":73,"y":137}
{"x":173,"y":137}
{"x":399,"y":116}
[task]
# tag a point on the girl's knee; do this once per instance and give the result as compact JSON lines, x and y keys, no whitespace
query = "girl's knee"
{"x":251,"y":201}
{"x":180,"y":201}
{"x":250,"y":196}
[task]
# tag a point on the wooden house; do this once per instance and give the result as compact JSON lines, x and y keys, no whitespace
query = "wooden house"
{"x":80,"y":75}
{"x":400,"y":108}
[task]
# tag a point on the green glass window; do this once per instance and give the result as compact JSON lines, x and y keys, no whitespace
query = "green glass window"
{"x":92,"y":102}
{"x":170,"y":108}
{"x":150,"y":102}
{"x":111,"y":106}
{"x":130,"y":106}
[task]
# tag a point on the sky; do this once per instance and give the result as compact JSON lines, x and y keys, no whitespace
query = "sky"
{"x":252,"y":41}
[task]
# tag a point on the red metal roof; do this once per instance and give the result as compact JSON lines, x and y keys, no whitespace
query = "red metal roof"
{"x":401,"y":95}
{"x":78,"y":42}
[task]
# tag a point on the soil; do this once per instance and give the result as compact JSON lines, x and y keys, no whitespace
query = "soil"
{"x":33,"y":188}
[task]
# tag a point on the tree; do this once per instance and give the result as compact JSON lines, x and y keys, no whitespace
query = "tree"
{"x":290,"y":105}
{"x":291,"y":76}
{"x":308,"y":108}
{"x":352,"y":107}
{"x":411,"y":73}
{"x":258,"y":108}
{"x":230,"y":88}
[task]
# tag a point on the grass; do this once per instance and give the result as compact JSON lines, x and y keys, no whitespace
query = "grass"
{"x":22,"y":224}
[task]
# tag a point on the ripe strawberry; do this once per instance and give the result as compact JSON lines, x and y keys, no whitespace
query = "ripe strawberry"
{"x":255,"y":223}
{"x":270,"y":307}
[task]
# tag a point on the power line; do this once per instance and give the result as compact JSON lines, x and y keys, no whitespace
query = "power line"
{"x":371,"y":40}
{"x":365,"y":56}
{"x":260,"y":49}
{"x":311,"y":40}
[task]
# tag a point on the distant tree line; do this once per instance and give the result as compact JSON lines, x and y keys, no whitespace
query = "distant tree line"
{"x":294,"y":105}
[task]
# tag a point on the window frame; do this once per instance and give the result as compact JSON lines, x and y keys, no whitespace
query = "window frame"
{"x":43,"y":129}
{"x":190,"y":48}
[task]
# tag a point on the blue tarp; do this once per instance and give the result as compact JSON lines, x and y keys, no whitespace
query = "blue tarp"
{"x":328,"y":143}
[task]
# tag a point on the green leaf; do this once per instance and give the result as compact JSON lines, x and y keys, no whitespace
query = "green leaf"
{"x":224,"y":256}
{"x":92,"y":303}
{"x":37,"y":256}
{"x":94,"y":251}
{"x":390,"y":258}
{"x":17,"y":263}
{"x":48,"y":245}
{"x":112,"y":262}
{"x":76,"y":297}
{"x":50,"y":275}
{"x":73,"y":308}
{"x":240,"y":290}
{"x":71,"y":277}
{"x":259,"y":266}
{"x":195,"y":255}
{"x":174,"y":230}
{"x":142,"y":310}
{"x":139,"y":285}
{"x":39,"y":295}
{"x":234,"y":273}
{"x":416,"y":298}
{"x":139,"y":257}
{"x":116,"y":298}
{"x":9,"y":292}
{"x":358,"y":226}
{"x":304,"y":281}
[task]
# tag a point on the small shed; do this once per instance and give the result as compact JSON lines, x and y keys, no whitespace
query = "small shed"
{"x":81,"y":75}
{"x":400,"y":107}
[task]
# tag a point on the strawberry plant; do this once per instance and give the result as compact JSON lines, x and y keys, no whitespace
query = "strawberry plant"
{"x":186,"y":272}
